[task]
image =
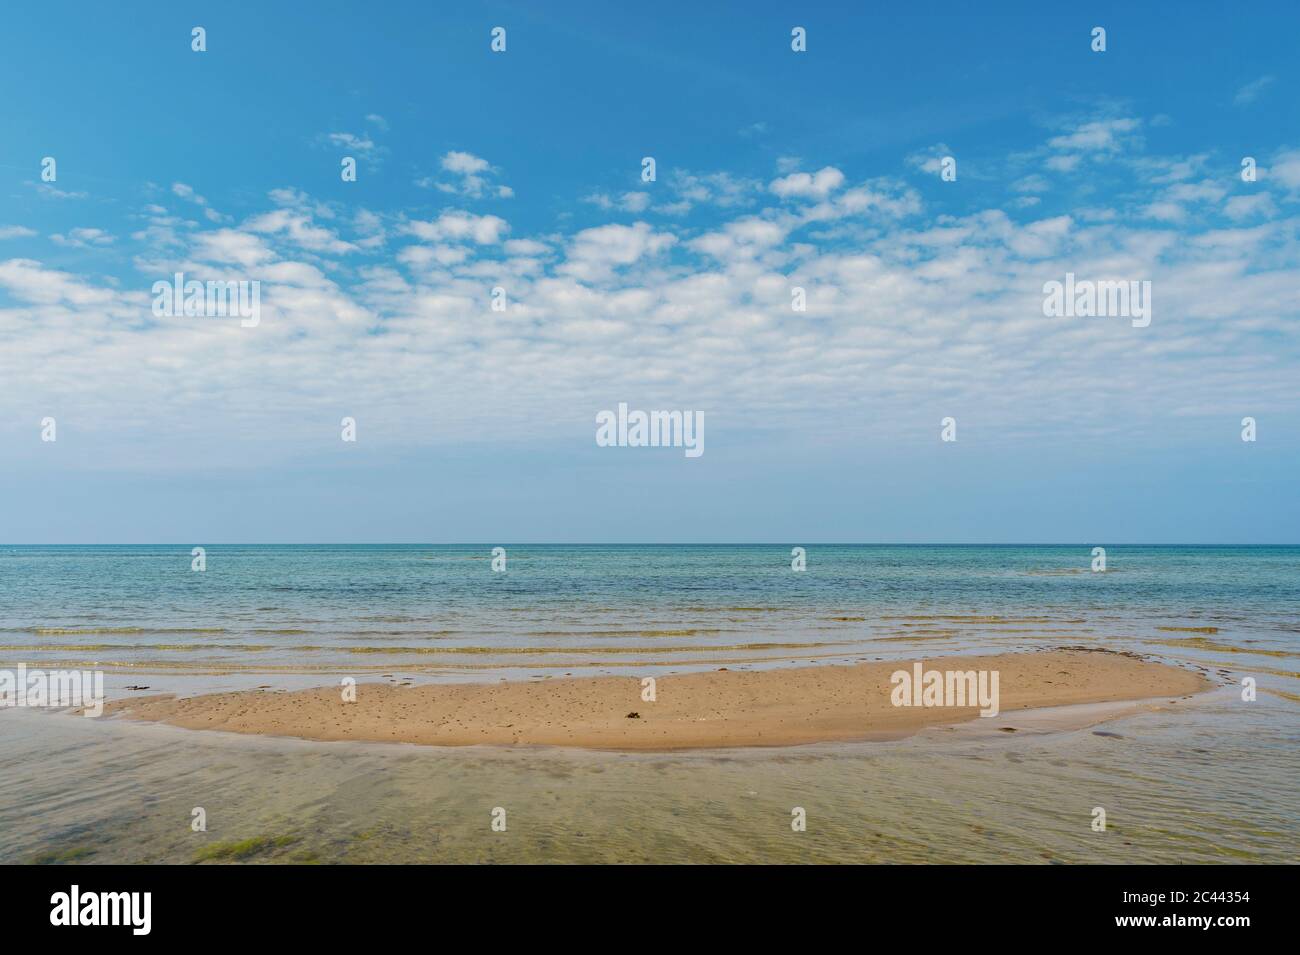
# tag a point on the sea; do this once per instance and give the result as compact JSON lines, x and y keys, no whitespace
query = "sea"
{"x":1215,"y":781}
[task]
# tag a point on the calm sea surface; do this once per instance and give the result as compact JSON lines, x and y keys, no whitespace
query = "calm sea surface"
{"x":443,"y":608}
{"x":1214,"y":780}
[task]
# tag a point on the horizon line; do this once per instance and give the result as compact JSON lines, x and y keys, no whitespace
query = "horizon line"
{"x":499,"y":543}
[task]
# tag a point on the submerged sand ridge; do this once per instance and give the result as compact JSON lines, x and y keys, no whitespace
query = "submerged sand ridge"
{"x":695,"y":710}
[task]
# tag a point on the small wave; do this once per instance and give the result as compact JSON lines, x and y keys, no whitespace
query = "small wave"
{"x":1201,"y":643}
{"x":171,"y":647}
{"x":405,"y":633}
{"x":690,"y":632}
{"x":915,"y":636}
{"x":1282,"y":693}
{"x":973,"y":618}
{"x":507,"y":651}
{"x":79,"y":631}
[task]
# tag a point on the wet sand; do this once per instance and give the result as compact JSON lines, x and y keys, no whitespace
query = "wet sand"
{"x":722,"y":708}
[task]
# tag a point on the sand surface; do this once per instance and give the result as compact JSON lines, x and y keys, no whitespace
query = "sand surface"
{"x":696,"y":710}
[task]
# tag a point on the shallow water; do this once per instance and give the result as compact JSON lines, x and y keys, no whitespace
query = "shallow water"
{"x":1182,"y":785}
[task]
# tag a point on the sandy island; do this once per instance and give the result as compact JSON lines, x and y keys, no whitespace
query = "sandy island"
{"x":696,"y":710}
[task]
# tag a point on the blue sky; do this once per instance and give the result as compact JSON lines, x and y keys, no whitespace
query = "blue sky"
{"x":775,"y":169}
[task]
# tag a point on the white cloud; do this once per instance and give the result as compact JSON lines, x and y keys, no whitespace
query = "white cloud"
{"x":1285,"y":170}
{"x":1165,"y":170}
{"x":423,"y":256}
{"x":459,"y":226}
{"x":593,"y":253}
{"x":929,"y":160}
{"x":1165,"y":211}
{"x":32,"y":282}
{"x":54,"y":192}
{"x":83,"y":238}
{"x":742,"y":239}
{"x":1093,"y":140}
{"x":1259,"y":206}
{"x":634,"y":202}
{"x":1103,"y":135}
{"x":299,"y":228}
{"x":187,"y":192}
{"x":1040,"y":239}
{"x":232,"y":247}
{"x":1208,"y":190}
{"x":527,"y":247}
{"x":1251,"y":91}
{"x":464,"y":164}
{"x":881,"y":197}
{"x":471,"y":177}
{"x":802,"y":185}
{"x":900,"y":297}
{"x":721,"y":189}
{"x":1030,"y":183}
{"x":360,"y":144}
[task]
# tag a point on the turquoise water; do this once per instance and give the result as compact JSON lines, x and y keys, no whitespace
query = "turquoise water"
{"x":442,"y":609}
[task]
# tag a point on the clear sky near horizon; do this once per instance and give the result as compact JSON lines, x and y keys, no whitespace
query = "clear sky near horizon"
{"x":774,"y":169}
